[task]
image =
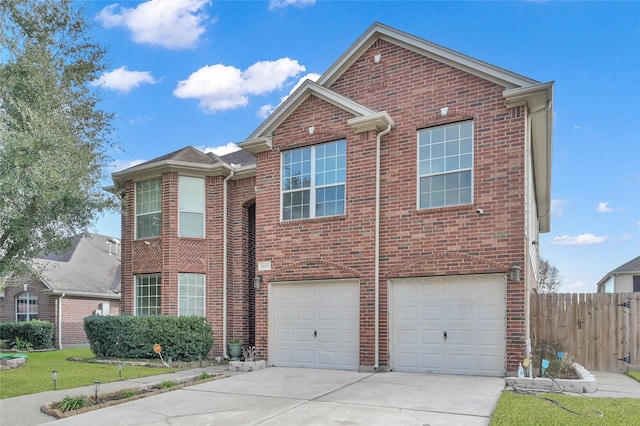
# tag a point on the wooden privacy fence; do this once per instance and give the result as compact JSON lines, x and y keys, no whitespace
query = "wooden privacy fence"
{"x":600,"y":331}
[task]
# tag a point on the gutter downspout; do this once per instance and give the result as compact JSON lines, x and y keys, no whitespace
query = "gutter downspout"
{"x":377,"y":252}
{"x":59,"y":300}
{"x":224,"y":263}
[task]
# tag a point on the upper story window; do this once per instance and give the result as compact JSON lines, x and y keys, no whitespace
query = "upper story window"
{"x":148,"y":208}
{"x":313,"y":181}
{"x":445,"y":165}
{"x":26,"y":306}
{"x":148,"y":294}
{"x":191,"y":294}
{"x":191,"y":206}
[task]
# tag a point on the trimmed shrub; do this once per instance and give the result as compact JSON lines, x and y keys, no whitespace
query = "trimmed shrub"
{"x":127,"y":336}
{"x":37,"y":334}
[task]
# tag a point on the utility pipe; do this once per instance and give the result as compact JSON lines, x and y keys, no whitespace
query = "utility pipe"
{"x":224,"y":263}
{"x":377,"y":252}
{"x":59,"y":300}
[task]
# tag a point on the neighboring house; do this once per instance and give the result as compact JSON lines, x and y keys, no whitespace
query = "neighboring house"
{"x":623,"y":279}
{"x":388,"y":221}
{"x":64,"y":288}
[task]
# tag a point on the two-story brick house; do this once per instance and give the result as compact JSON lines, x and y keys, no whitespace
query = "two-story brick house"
{"x":396,"y":206}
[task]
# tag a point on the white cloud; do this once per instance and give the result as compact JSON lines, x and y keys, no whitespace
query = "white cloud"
{"x":222,"y":149}
{"x":582,"y":239}
{"x":173,"y":24}
{"x":267,"y":109}
{"x":626,"y":237}
{"x":221,"y":87}
{"x":278,"y":4}
{"x":557,"y":206}
{"x":140,"y":119}
{"x":576,"y":285}
{"x":603,"y":207}
{"x":122,"y":80}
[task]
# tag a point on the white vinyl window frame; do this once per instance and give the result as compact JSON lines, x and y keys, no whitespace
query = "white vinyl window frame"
{"x":191,"y":294}
{"x":26,"y":306}
{"x":313,"y":181}
{"x":148,"y":294}
{"x":191,"y":207}
{"x":148,"y":207}
{"x":445,"y":165}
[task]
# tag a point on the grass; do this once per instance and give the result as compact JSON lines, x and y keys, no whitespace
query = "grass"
{"x":634,"y":374}
{"x":521,"y":410}
{"x":36,"y":375}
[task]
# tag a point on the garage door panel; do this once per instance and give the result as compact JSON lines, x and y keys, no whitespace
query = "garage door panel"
{"x":470,"y":309}
{"x":323,"y":332}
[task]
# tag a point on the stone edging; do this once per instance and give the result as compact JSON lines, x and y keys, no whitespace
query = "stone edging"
{"x":587,"y":382}
{"x":49,"y":407}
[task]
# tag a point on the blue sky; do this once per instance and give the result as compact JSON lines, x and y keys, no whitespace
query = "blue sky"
{"x":207,"y":73}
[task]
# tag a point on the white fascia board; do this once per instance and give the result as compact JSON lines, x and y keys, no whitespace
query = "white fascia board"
{"x":307,"y":89}
{"x":425,"y":48}
{"x":257,"y":145}
{"x":377,"y":121}
{"x":150,"y":170}
{"x":538,"y":99}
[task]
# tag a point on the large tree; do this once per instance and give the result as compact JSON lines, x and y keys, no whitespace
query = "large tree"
{"x":549,"y":279}
{"x":54,"y":137}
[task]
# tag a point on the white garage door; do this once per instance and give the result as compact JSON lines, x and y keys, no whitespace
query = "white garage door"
{"x":314,"y":324}
{"x":449,"y":325}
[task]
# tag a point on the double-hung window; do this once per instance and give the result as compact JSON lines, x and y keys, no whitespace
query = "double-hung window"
{"x":191,"y":206}
{"x":148,"y":208}
{"x":313,"y":181}
{"x":26,"y":306}
{"x":148,"y":294}
{"x":191,"y":294}
{"x":445,"y":165}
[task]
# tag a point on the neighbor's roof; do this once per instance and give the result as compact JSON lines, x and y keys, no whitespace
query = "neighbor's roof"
{"x":631,"y":267}
{"x":89,"y":268}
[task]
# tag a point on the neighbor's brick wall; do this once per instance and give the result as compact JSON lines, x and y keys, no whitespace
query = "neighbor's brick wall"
{"x":171,"y":255}
{"x":412,"y":89}
{"x":74,"y":311}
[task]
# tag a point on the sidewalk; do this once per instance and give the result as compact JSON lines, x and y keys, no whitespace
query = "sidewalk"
{"x":25,"y":410}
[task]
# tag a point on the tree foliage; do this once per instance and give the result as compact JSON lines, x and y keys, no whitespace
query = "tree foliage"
{"x":549,"y":279}
{"x":54,"y":137}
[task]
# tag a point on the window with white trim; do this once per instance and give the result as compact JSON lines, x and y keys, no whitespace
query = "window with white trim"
{"x":191,"y":294}
{"x":313,"y":181}
{"x":191,"y":206}
{"x":148,"y":208}
{"x":26,"y":306}
{"x":148,"y":294}
{"x":445,"y":165}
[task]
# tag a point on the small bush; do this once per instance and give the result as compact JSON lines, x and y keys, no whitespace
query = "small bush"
{"x":204,"y":375}
{"x":126,"y":336}
{"x":70,"y":403}
{"x":128,"y":393}
{"x":37,"y":333}
{"x":167,"y":384}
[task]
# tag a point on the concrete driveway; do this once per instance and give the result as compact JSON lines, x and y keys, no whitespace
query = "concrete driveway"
{"x":294,"y":396}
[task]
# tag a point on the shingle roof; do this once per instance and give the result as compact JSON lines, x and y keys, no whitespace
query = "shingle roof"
{"x":631,"y":266}
{"x":90,"y":266}
{"x":187,"y":154}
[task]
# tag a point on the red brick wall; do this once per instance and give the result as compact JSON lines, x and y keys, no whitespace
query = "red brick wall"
{"x":74,"y":310}
{"x":170,"y":255}
{"x":412,"y":89}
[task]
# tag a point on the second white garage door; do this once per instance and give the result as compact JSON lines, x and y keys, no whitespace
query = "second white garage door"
{"x":314,"y":324}
{"x":449,"y":325}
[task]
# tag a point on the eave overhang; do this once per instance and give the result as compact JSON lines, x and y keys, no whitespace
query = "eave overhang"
{"x":538,"y":99}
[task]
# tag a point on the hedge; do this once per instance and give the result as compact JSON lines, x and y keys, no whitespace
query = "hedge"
{"x":37,"y":333}
{"x":127,"y":336}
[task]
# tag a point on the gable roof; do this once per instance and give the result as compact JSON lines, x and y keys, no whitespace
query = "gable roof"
{"x":631,"y":267}
{"x":425,"y":48}
{"x":89,"y":268}
{"x":519,"y":91}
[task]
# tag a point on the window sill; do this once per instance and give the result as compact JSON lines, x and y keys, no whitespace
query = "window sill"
{"x":294,"y":222}
{"x":464,"y":207}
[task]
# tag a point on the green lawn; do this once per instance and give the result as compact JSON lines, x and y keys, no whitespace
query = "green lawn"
{"x":634,"y":375}
{"x":36,"y":375}
{"x":518,"y":409}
